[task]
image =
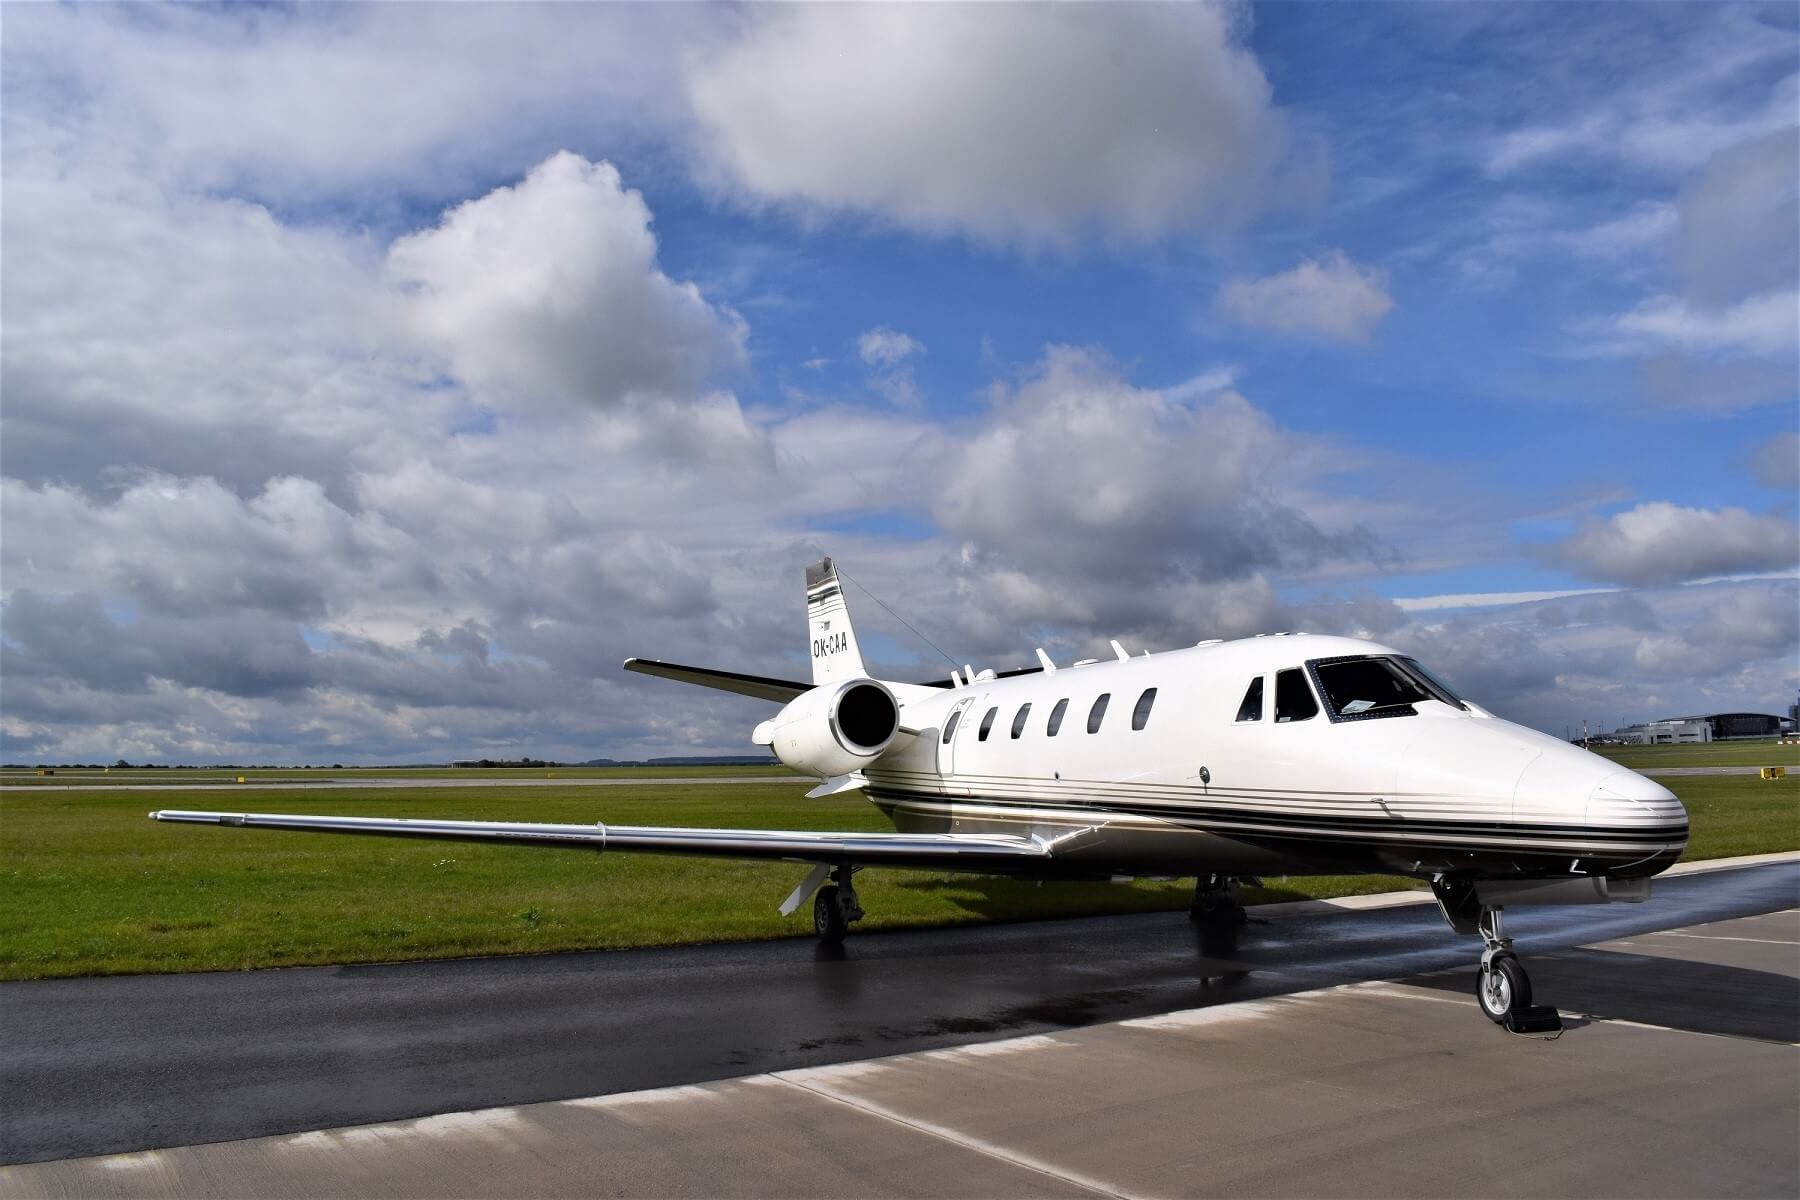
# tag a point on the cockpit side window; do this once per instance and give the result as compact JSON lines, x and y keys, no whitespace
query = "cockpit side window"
{"x":1251,"y":708}
{"x":1433,"y":684}
{"x":1293,"y":698}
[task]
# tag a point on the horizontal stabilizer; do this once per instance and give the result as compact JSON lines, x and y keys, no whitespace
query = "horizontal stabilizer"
{"x":760,"y":686}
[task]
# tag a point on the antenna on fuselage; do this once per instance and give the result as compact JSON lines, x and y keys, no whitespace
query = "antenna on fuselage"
{"x":842,"y":574}
{"x":1044,"y":659}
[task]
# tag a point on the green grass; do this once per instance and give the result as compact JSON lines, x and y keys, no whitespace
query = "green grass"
{"x":1736,"y":814}
{"x":89,"y":886}
{"x":1766,"y":753}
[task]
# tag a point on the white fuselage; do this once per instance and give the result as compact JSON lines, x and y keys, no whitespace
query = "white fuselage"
{"x":1203,"y":784}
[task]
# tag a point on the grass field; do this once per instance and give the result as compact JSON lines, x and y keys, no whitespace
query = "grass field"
{"x":1709,"y":754}
{"x":89,"y":886}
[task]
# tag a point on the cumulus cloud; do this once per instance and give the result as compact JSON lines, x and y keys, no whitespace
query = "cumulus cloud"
{"x":124,"y":303}
{"x":887,"y":347}
{"x":1658,"y":542}
{"x":1088,"y":496}
{"x":1739,"y":222}
{"x":551,"y":286}
{"x":1616,"y":659}
{"x":1330,"y":297}
{"x":1009,"y":122}
{"x":326,"y":101}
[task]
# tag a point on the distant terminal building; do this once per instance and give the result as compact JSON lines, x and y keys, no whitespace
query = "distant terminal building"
{"x":1715,"y":727}
{"x":1666,"y":733}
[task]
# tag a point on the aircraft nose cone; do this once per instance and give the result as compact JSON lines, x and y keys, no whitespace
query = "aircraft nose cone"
{"x":1627,"y":805}
{"x":1623,"y":785}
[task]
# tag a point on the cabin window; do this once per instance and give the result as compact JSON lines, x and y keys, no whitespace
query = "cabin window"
{"x":987,"y":723}
{"x":1097,"y":713}
{"x":1293,"y":697}
{"x":950,"y":725}
{"x":1056,"y":716}
{"x":1140,"y":716}
{"x":1019,"y":720}
{"x":1251,"y":708}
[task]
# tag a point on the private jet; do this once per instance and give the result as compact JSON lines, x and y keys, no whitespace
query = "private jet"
{"x":1228,"y":761}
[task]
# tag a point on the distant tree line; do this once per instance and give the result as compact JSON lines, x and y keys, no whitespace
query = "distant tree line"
{"x":504,"y":762}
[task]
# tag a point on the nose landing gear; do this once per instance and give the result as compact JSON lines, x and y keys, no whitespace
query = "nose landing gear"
{"x":1502,"y":987}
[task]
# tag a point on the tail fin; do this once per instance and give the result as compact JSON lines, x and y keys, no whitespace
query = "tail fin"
{"x":835,"y":654}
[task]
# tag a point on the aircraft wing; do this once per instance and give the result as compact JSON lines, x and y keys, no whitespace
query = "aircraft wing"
{"x":989,"y":853}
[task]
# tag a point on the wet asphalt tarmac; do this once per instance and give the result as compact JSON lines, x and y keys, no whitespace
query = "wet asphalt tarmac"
{"x":95,"y":1066}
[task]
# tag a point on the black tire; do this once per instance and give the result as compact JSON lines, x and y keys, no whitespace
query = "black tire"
{"x":828,"y":916}
{"x":1502,"y":989}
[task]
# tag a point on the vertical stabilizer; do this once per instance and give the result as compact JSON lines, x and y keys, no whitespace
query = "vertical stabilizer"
{"x":835,"y":654}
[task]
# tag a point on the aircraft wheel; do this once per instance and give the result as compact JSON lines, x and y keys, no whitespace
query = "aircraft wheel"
{"x":1503,"y":988}
{"x":828,"y":916}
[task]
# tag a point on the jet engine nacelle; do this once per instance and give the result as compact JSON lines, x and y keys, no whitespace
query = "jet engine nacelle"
{"x":834,"y":729}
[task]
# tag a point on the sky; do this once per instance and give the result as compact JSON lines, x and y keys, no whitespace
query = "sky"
{"x":375,"y":378}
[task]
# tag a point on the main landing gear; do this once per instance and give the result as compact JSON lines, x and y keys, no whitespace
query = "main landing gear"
{"x":835,"y":906}
{"x":1502,"y":987}
{"x":1216,"y":913}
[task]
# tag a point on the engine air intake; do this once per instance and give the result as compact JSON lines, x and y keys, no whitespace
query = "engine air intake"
{"x":866,"y":716}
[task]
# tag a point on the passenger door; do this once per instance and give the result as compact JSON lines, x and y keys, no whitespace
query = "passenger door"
{"x":954,"y":729}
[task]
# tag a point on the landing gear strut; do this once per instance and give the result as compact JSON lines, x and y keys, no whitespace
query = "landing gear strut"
{"x":1217,"y":914}
{"x":835,"y":906}
{"x":1502,"y":987}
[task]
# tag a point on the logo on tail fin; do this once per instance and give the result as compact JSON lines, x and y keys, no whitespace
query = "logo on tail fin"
{"x":835,"y":655}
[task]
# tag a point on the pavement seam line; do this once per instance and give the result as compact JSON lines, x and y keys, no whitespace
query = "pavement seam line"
{"x":1599,"y":1019}
{"x":1715,"y":937}
{"x":942,"y":1133}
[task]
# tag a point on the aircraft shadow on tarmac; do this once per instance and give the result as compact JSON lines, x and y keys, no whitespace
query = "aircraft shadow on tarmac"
{"x":1675,"y":993}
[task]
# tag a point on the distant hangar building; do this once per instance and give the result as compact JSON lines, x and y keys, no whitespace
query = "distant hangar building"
{"x":1715,"y":727}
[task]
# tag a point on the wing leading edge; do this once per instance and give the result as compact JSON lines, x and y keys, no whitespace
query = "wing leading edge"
{"x":992,"y":853}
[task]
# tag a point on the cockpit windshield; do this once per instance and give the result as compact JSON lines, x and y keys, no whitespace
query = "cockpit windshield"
{"x":1361,"y":687}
